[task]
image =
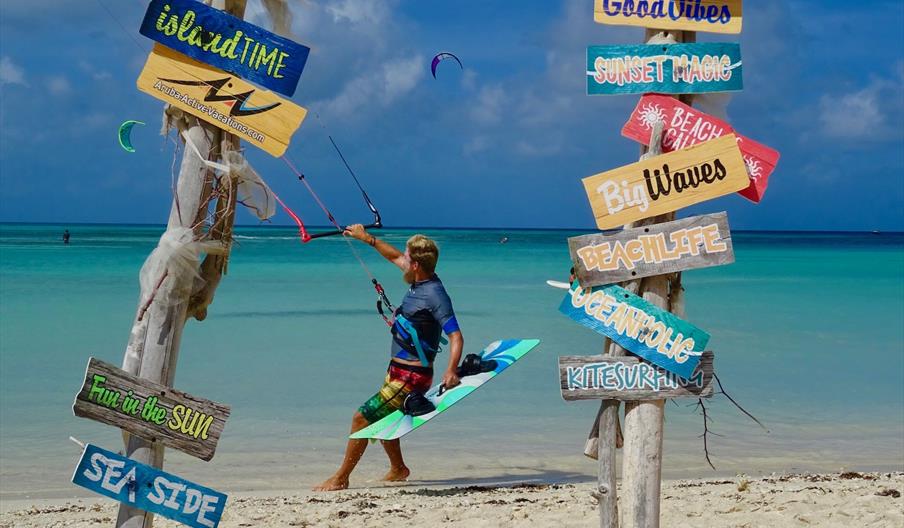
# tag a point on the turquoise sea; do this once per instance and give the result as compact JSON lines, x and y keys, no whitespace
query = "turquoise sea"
{"x":808,"y":331}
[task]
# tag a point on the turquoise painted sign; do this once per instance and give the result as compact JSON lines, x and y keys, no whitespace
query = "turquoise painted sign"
{"x":148,"y":488}
{"x":636,"y":325}
{"x":226,"y":42}
{"x":664,"y":68}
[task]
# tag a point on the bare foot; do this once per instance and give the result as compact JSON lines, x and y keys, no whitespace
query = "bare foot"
{"x":397,"y":474}
{"x":333,"y":483}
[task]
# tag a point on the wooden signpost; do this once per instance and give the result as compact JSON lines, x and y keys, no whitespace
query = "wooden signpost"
{"x":147,"y":488}
{"x":645,"y":330}
{"x":217,"y":38}
{"x":630,"y":379}
{"x":714,"y":16}
{"x":685,"y":126}
{"x":691,"y":243}
{"x":262,"y":118}
{"x":667,"y":183}
{"x":664,"y":68}
{"x":152,"y":411}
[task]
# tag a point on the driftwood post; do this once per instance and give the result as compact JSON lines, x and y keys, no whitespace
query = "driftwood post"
{"x":642,"y":436}
{"x":153,"y":347}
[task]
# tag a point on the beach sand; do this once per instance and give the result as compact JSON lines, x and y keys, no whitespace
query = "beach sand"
{"x":844,"y":500}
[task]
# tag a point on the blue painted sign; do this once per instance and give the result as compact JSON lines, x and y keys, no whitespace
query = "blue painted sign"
{"x":637,"y":326}
{"x":664,"y":68}
{"x":148,"y":488}
{"x":226,"y":42}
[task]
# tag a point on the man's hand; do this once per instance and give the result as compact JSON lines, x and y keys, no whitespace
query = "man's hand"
{"x":450,"y":379}
{"x":357,"y":231}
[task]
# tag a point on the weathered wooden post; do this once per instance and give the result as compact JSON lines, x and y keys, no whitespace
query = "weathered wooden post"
{"x":153,"y":347}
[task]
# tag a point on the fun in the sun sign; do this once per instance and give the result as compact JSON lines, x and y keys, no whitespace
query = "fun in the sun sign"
{"x":643,"y":329}
{"x":666,"y":183}
{"x":147,"y":488}
{"x":226,"y":42}
{"x":664,"y":68}
{"x":714,"y":16}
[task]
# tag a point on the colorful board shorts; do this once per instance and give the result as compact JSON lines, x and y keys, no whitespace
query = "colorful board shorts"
{"x":400,"y":381}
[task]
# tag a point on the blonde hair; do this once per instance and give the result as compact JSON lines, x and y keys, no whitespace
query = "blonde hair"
{"x":423,"y":250}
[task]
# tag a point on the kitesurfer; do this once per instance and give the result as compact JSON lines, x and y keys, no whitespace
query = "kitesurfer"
{"x":66,"y":236}
{"x":424,"y":314}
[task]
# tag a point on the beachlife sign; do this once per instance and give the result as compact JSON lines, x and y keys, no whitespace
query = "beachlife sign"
{"x":664,"y":68}
{"x":152,"y":411}
{"x":714,"y":16}
{"x":262,"y":118}
{"x":666,"y":183}
{"x":690,"y":243}
{"x":684,"y":126}
{"x":629,"y":378}
{"x":639,"y":327}
{"x":147,"y":488}
{"x":217,"y":38}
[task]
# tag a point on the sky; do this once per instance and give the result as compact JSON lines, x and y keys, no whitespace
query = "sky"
{"x":503,"y":143}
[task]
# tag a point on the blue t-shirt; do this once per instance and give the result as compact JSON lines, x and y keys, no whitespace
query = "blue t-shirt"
{"x":428,"y":307}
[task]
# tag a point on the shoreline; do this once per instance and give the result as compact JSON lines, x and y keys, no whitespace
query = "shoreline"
{"x":779,"y":500}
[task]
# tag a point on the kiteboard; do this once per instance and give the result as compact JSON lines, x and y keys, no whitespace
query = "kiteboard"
{"x":397,"y":424}
{"x":559,"y":285}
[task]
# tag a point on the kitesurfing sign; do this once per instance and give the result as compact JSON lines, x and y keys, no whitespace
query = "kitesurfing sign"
{"x":664,"y":68}
{"x":222,"y":99}
{"x":638,"y":326}
{"x":714,"y":16}
{"x":217,"y":38}
{"x":147,"y":488}
{"x":685,"y":126}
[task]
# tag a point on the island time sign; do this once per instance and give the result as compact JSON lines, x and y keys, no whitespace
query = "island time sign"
{"x":714,"y":16}
{"x":664,"y":68}
{"x":226,"y":42}
{"x":666,"y":183}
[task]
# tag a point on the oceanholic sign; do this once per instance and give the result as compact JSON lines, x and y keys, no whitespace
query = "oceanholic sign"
{"x":714,"y":16}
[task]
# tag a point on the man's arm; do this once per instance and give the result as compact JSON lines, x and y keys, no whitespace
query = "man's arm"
{"x":456,"y":345}
{"x":388,"y":251}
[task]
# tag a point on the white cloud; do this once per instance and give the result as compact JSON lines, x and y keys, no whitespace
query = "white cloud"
{"x":97,"y":75}
{"x":488,"y":109}
{"x":359,"y":11}
{"x":393,"y":80}
{"x":10,"y":73}
{"x":871,"y":113}
{"x":59,"y":85}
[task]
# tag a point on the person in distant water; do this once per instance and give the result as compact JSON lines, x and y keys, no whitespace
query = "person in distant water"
{"x":427,"y":310}
{"x":503,"y":240}
{"x":66,"y":236}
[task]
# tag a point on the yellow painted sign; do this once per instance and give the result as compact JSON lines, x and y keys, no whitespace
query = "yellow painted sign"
{"x":714,"y":16}
{"x":260,"y":117}
{"x":667,"y":183}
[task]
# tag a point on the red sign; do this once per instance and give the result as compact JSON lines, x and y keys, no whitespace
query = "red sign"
{"x":686,"y":127}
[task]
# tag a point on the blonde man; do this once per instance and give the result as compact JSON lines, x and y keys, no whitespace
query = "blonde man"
{"x":423,"y":315}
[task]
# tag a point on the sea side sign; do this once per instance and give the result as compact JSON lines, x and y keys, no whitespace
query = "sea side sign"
{"x":684,"y":126}
{"x":226,"y":42}
{"x":152,"y":411}
{"x":690,"y":243}
{"x":637,"y":326}
{"x":147,"y":488}
{"x":630,"y":379}
{"x":262,"y":118}
{"x":714,"y":16}
{"x":666,"y":183}
{"x":664,"y":68}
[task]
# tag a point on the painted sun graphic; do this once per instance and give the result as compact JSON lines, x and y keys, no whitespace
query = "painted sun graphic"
{"x":754,"y":169}
{"x":651,"y":114}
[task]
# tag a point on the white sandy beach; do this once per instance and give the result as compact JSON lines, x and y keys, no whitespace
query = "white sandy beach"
{"x":838,"y":500}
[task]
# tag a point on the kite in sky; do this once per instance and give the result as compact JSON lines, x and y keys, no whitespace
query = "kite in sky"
{"x":125,"y":131}
{"x":441,"y":57}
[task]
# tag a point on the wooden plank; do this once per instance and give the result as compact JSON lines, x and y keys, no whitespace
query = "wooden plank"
{"x":666,"y":183}
{"x":260,"y":117}
{"x":714,"y":16}
{"x":226,"y":42}
{"x":630,"y":379}
{"x":691,"y":243}
{"x":147,"y":488}
{"x":637,"y":325}
{"x":685,"y":127}
{"x":152,"y":411}
{"x":664,"y":68}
